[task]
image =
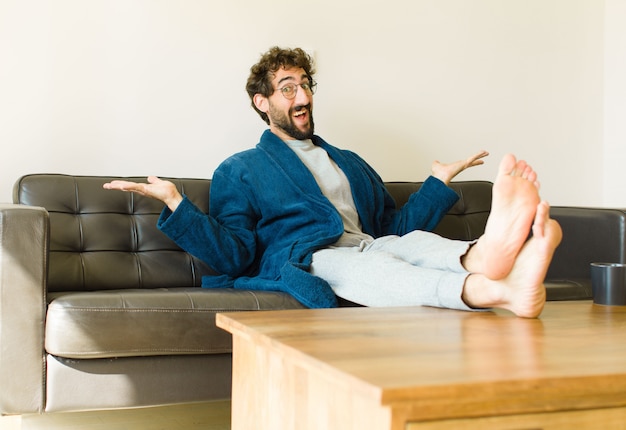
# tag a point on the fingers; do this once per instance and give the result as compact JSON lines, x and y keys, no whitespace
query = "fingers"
{"x":114,"y":185}
{"x":154,"y":179}
{"x":124,"y":186}
{"x":129,"y":185}
{"x":481,"y":154}
{"x":476,"y":159}
{"x":478,"y":156}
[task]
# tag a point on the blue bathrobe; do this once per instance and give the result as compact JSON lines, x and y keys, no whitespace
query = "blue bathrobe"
{"x":268,"y":216}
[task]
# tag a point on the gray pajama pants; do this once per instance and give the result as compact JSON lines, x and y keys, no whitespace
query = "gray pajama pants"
{"x":419,"y":268}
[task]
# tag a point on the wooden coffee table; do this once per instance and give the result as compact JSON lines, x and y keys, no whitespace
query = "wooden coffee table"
{"x":426,"y":368}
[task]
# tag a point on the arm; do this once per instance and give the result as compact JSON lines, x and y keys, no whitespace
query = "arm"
{"x":23,"y":268}
{"x":226,"y":245}
{"x":426,"y":207}
{"x":589,"y":235}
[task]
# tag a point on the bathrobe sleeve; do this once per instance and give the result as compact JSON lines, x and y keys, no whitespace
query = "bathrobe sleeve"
{"x":225,"y":241}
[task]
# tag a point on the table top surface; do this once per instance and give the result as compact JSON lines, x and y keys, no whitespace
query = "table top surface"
{"x":575,"y":349}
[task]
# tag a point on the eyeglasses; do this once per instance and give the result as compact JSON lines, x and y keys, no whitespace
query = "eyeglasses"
{"x":289,"y":91}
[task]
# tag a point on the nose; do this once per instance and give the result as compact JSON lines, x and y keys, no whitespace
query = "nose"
{"x":302,"y":97}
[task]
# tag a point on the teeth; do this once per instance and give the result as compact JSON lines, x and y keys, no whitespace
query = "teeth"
{"x":302,"y":112}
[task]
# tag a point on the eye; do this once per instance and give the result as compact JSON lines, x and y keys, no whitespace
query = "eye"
{"x":306,"y":86}
{"x":287,"y":90}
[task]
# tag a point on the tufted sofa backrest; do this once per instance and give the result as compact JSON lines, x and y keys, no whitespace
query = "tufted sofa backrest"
{"x":102,"y":239}
{"x":467,"y":218}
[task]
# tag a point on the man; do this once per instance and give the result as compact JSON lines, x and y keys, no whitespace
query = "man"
{"x":299,"y":215}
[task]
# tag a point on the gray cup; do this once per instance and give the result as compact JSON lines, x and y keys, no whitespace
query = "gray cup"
{"x":608,"y":283}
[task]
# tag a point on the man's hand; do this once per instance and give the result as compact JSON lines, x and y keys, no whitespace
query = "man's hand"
{"x":155,"y":188}
{"x":447,"y":172}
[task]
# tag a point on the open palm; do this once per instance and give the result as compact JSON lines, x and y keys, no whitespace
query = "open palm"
{"x":447,"y":172}
{"x":155,"y":188}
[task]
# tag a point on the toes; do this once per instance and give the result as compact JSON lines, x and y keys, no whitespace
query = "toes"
{"x":524,"y":171}
{"x":543,"y":210}
{"x":521,"y":169}
{"x":541,"y":218}
{"x":507,"y":164}
{"x":510,"y":166}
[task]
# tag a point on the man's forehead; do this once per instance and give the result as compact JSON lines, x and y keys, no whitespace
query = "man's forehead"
{"x":289,"y":74}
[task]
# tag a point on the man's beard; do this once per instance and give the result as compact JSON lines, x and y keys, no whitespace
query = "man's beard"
{"x":285,"y":123}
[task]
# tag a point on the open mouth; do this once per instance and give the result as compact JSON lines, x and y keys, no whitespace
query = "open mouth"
{"x":301,"y":115}
{"x":300,"y":112}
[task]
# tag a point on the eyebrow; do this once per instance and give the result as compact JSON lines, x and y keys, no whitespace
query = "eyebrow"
{"x":291,"y":78}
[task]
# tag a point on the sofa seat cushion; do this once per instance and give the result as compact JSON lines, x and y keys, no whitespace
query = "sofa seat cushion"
{"x":166,"y":321}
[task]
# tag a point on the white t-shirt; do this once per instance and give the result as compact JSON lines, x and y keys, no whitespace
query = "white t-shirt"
{"x":335,"y":186}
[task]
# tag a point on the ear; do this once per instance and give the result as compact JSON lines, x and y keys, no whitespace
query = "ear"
{"x":261,"y":102}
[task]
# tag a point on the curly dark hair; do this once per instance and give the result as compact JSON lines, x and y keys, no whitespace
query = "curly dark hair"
{"x":262,"y":73}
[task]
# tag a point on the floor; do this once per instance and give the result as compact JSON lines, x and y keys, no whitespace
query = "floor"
{"x":205,"y":416}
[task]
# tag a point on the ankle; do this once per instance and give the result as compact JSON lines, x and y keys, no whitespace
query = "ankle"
{"x":472,"y":260}
{"x":480,"y":292}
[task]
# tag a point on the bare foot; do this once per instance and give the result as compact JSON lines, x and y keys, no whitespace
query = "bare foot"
{"x":514,"y":203}
{"x":522,"y":291}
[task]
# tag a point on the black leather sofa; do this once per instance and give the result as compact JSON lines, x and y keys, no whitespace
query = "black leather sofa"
{"x":100,"y":310}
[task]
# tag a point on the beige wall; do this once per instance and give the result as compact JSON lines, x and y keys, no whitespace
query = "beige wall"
{"x":138,"y":87}
{"x":614,"y":148}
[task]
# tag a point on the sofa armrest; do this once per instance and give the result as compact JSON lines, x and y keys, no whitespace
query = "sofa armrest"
{"x":24,"y":239}
{"x":589,"y":235}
